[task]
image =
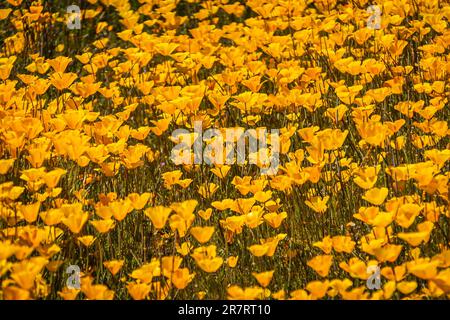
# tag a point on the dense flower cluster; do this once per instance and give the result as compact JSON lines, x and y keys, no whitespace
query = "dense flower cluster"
{"x":87,"y":178}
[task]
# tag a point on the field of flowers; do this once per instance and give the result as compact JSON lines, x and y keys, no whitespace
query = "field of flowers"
{"x":95,"y":205}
